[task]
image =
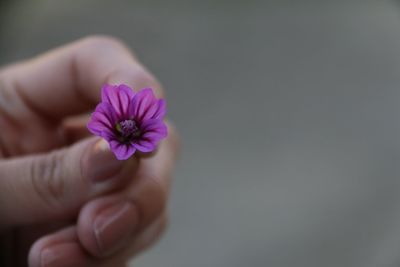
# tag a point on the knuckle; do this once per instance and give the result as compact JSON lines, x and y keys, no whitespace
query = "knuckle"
{"x":47,"y":179}
{"x":144,"y":78}
{"x":147,"y":78}
{"x":103,"y":43}
{"x":137,"y":76}
{"x":137,"y":73}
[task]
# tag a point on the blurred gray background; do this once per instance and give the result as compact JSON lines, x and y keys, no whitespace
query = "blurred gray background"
{"x":289,"y":115}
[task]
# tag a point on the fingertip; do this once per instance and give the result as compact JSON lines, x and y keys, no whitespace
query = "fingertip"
{"x":59,"y":249}
{"x":66,"y":254}
{"x":100,"y":165}
{"x":106,"y":224}
{"x":85,"y":227}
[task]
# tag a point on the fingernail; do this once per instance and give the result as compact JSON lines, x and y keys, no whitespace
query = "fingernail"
{"x":63,"y":255}
{"x":114,"y":225}
{"x":100,"y":163}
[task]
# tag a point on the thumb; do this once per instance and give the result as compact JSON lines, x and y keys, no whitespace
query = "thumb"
{"x":55,"y":185}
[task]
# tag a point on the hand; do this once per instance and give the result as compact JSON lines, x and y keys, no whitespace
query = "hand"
{"x":64,"y":198}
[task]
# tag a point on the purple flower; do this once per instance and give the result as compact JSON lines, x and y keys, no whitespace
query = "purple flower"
{"x":129,"y":121}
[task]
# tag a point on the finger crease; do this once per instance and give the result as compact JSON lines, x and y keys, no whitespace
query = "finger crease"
{"x":31,"y":105}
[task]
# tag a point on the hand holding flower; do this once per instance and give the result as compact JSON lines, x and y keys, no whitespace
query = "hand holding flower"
{"x":64,"y":196}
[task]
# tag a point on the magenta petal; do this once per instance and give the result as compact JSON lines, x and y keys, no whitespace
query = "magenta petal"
{"x":122,"y":151}
{"x":103,"y":118}
{"x":153,"y":132}
{"x":156,"y":126}
{"x":149,"y":110}
{"x":141,"y":103}
{"x":155,"y":110}
{"x":108,"y":135}
{"x":119,"y":97}
{"x":161,"y":109}
{"x":154,"y":135}
{"x":96,"y":127}
{"x":106,"y":91}
{"x":145,"y":146}
{"x":146,"y":106}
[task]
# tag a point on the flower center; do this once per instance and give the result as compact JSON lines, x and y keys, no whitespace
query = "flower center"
{"x":128,"y":130}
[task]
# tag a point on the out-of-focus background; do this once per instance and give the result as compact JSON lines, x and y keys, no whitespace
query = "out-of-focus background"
{"x":289,"y":115}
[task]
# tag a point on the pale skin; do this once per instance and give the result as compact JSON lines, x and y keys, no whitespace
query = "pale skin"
{"x":56,"y":180}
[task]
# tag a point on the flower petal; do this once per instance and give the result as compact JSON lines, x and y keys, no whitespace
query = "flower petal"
{"x":154,"y":126}
{"x":143,"y":105}
{"x":153,"y":136}
{"x":145,"y":146}
{"x":103,"y":118}
{"x":108,"y":135}
{"x":153,"y":132}
{"x":122,"y":151}
{"x":161,"y":109}
{"x":119,"y":97}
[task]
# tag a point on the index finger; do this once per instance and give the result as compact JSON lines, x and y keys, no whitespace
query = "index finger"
{"x":67,"y":81}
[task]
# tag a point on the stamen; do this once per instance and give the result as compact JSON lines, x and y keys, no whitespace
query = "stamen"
{"x":128,"y":129}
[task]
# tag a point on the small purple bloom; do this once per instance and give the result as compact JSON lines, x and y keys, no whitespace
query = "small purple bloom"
{"x":129,"y":121}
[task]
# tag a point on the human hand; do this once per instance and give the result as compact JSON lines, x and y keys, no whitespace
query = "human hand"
{"x":60,"y":190}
